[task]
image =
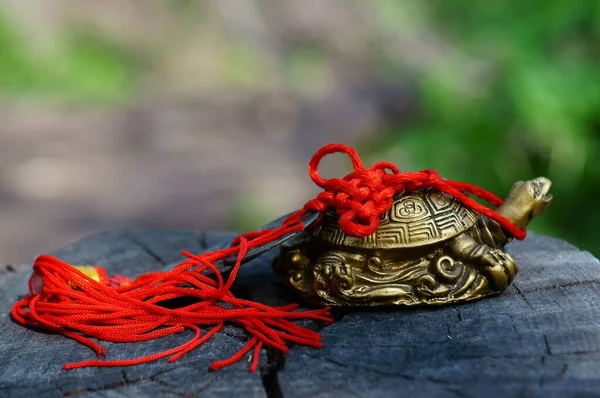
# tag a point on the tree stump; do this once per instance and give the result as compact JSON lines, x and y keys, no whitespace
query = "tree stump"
{"x":539,"y":338}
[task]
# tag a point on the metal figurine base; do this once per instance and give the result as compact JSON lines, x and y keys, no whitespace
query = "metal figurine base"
{"x":429,"y":250}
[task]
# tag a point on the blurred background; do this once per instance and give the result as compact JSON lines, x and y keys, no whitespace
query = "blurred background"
{"x":204,"y":114}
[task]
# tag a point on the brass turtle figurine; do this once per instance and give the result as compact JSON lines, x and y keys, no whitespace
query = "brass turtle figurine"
{"x":429,"y":249}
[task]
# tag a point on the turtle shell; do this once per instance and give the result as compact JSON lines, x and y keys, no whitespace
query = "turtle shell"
{"x":416,"y":219}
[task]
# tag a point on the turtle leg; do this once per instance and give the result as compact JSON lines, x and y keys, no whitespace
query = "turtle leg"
{"x":496,"y":265}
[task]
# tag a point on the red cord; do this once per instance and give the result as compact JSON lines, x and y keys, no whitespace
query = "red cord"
{"x":68,"y":302}
{"x":364,"y":195}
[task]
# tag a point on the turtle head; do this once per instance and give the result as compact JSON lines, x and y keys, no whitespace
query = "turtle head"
{"x":526,"y":200}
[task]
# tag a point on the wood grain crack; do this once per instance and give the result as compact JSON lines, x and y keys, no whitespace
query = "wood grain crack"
{"x":146,"y":249}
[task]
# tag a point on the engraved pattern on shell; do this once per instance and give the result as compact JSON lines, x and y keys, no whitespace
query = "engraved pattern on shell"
{"x":416,"y":219}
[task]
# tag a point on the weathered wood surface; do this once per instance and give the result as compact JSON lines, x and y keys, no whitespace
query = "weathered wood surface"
{"x":541,"y":338}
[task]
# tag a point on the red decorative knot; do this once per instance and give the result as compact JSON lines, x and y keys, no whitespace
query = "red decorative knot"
{"x":65,"y":300}
{"x":364,"y":195}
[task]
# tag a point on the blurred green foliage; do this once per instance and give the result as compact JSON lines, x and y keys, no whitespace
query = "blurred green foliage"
{"x":513,"y":93}
{"x":534,"y":108}
{"x":81,"y":66}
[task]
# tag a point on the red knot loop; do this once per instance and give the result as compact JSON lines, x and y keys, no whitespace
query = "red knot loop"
{"x":361,"y":197}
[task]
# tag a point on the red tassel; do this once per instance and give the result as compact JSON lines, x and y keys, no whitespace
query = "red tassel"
{"x":65,"y":300}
